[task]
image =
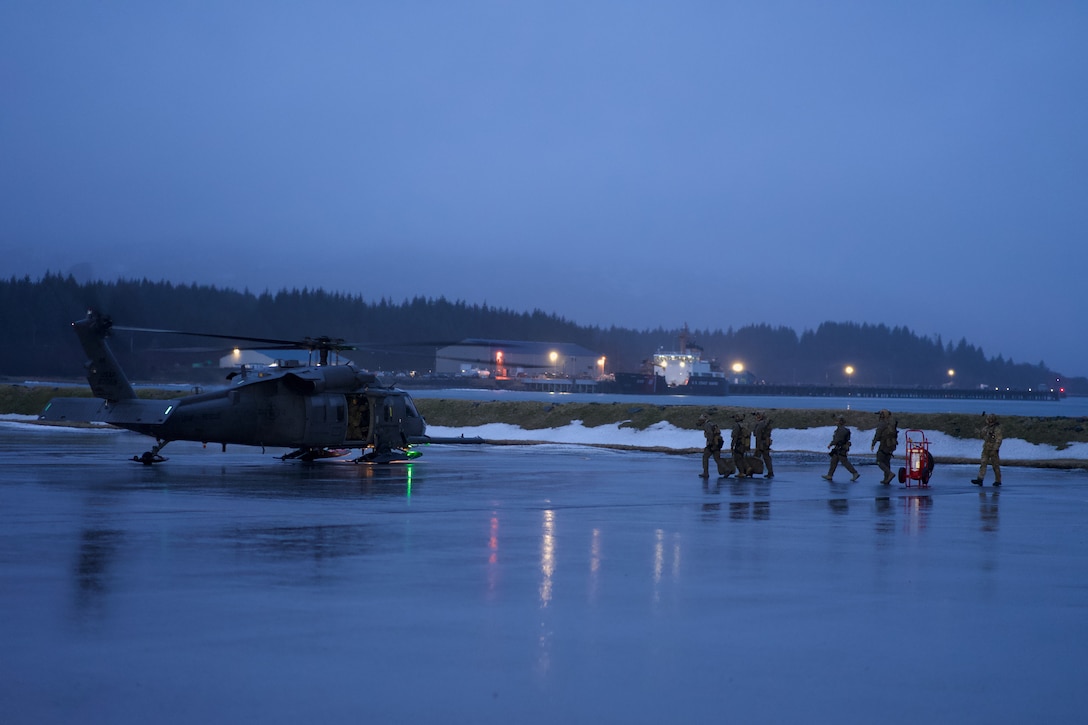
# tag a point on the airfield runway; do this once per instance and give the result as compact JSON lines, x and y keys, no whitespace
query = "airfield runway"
{"x":528,"y":584}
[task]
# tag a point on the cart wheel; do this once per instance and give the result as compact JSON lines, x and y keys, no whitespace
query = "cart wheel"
{"x":925,"y":478}
{"x":902,"y":475}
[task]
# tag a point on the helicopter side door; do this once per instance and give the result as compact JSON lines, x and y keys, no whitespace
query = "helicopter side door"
{"x":358,"y":430}
{"x":326,"y":420}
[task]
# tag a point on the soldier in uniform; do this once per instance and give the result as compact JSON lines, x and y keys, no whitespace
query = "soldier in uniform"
{"x":991,"y":450}
{"x":740,"y":443}
{"x":839,"y":448}
{"x":887,"y":435}
{"x":763,"y":443}
{"x":713,"y":448}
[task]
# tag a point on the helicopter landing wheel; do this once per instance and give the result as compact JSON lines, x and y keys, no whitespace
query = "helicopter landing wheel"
{"x":383,"y":457}
{"x":152,"y":456}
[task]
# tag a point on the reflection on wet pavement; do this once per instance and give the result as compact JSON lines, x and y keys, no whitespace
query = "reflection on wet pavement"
{"x":533,"y":584}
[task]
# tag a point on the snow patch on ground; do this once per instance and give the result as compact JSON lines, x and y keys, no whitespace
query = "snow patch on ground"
{"x":811,"y":440}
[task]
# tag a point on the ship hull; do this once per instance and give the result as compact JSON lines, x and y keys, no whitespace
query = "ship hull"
{"x":639,"y":384}
{"x":649,"y":384}
{"x":701,"y":384}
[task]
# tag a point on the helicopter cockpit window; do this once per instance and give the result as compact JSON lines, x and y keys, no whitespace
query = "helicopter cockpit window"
{"x":410,"y":408}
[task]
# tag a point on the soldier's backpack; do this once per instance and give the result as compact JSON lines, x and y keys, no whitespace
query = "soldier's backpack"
{"x":753,"y":464}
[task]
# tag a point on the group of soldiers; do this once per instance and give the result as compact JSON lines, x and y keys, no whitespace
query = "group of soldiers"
{"x":885,"y":440}
{"x":743,"y":463}
{"x":886,"y":436}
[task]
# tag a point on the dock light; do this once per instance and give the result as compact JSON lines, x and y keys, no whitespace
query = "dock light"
{"x":738,"y":367}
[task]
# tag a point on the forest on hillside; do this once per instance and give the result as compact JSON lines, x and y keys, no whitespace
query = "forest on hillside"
{"x":38,"y":341}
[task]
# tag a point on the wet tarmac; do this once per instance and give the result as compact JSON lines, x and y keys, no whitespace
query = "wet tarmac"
{"x":535,"y":584}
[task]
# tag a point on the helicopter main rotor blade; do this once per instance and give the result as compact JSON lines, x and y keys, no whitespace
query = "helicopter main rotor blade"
{"x":323,"y":342}
{"x":270,"y":341}
{"x":308,"y":343}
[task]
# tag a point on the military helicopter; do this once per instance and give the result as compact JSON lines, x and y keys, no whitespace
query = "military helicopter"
{"x":318,"y":410}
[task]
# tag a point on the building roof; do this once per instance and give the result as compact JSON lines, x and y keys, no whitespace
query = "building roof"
{"x":524,"y":347}
{"x":270,"y":357}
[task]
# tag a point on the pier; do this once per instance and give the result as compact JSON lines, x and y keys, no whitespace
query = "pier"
{"x":849,"y":391}
{"x":566,"y":385}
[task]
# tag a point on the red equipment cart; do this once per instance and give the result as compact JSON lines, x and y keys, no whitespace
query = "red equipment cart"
{"x":919,"y":463}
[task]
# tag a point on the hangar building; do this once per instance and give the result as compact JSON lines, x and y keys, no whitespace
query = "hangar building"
{"x":515,"y":358}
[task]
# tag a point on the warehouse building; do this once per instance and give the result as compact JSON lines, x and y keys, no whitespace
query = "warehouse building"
{"x":519,"y":358}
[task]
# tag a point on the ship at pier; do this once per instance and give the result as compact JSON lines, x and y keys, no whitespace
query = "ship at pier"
{"x":677,"y":372}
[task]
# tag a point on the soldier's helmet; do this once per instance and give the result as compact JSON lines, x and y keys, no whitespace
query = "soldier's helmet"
{"x":760,"y":415}
{"x":884,"y":413}
{"x":991,"y":419}
{"x":738,"y":417}
{"x":703,"y":418}
{"x":840,"y":419}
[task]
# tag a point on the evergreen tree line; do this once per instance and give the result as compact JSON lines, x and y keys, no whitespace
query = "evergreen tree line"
{"x":397,"y":336}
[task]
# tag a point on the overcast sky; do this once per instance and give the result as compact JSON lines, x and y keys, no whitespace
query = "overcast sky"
{"x":631,"y":163}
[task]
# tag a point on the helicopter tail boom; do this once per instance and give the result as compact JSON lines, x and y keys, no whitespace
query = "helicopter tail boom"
{"x":104,"y":373}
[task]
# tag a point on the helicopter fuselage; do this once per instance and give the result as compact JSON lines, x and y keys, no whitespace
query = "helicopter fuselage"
{"x":307,"y":407}
{"x":297,"y":409}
